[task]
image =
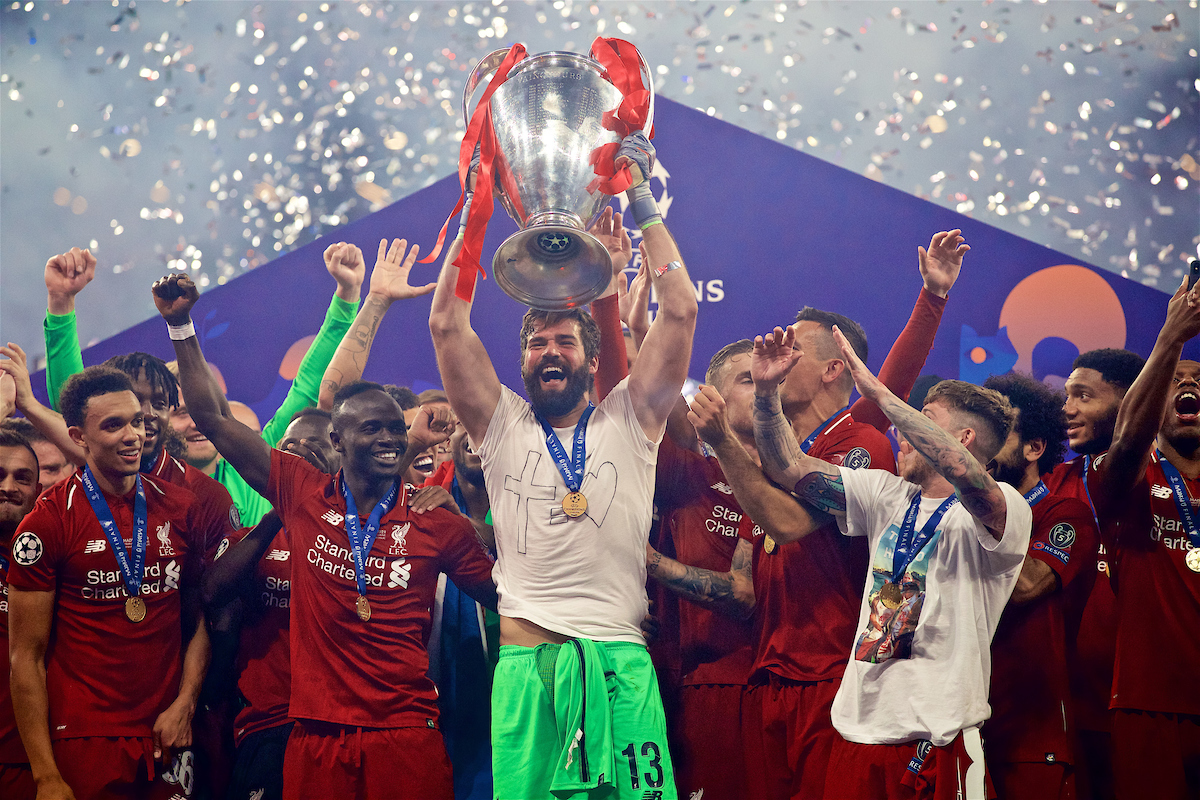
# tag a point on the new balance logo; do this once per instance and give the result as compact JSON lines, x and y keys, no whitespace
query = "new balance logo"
{"x":278,"y":555}
{"x":723,"y":488}
{"x":333,"y":517}
{"x":401,"y":570}
{"x":95,"y":546}
{"x":1161,"y":492}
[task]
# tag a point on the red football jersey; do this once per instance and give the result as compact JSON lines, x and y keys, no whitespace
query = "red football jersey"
{"x":1095,"y":646}
{"x":702,"y":517}
{"x":1158,"y":600}
{"x":264,"y":657}
{"x":372,"y":674}
{"x":217,"y":516}
{"x":11,"y":749}
{"x":1031,"y":680}
{"x":808,"y":592}
{"x":105,"y":675}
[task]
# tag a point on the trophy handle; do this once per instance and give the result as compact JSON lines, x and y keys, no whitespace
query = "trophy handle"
{"x":650,"y":86}
{"x":486,"y":67}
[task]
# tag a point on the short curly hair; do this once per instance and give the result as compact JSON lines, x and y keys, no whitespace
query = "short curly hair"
{"x":1116,"y":366}
{"x":989,"y":413}
{"x":83,"y":386}
{"x":1040,"y":414}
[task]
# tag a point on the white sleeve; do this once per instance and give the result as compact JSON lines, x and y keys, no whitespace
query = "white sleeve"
{"x":619,"y":404}
{"x":1010,"y":549}
{"x":508,"y":408}
{"x":865,"y":488}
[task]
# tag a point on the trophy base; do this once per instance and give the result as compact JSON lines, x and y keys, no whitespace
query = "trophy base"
{"x":552,"y":267}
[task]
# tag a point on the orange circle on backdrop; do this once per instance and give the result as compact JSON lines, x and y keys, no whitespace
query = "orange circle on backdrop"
{"x":1067,"y":301}
{"x":978,"y":355}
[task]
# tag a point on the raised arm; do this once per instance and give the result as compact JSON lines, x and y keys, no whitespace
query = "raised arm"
{"x":730,"y":592}
{"x":979,"y":493}
{"x":66,"y":275}
{"x":609,"y":229}
{"x":774,"y":509}
{"x":467,"y":373}
{"x":241,"y":446}
{"x":1142,"y":410}
{"x":389,"y":283}
{"x":343,"y":306}
{"x":816,"y":482}
{"x":939,"y":266}
{"x":663,"y":358}
{"x":49,"y":422}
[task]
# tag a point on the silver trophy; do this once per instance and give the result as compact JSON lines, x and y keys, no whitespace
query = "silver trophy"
{"x":548,"y":119}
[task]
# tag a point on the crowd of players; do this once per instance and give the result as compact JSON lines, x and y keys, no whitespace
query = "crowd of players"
{"x":602,"y":591}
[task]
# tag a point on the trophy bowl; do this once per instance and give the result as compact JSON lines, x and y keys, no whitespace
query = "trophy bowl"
{"x":547,"y":117}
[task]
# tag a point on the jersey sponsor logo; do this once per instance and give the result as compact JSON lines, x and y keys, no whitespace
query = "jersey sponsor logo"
{"x":276,"y":554}
{"x":333,"y":518}
{"x":164,"y":540}
{"x":1062,"y":555}
{"x":724,"y":521}
{"x":723,"y":488}
{"x":172,"y":575}
{"x":221,"y":548}
{"x":96,"y":546}
{"x":758,"y":531}
{"x":1062,"y":535}
{"x":322,"y":554}
{"x":401,"y":572}
{"x":257,"y":794}
{"x":27,"y":549}
{"x":235,"y":517}
{"x":398,"y":533}
{"x":1161,"y":492}
{"x":858,"y":458}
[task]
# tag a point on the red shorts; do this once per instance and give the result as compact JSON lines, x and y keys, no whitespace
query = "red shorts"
{"x":324,"y":761}
{"x":16,"y":782}
{"x":709,"y":758}
{"x":1155,"y":755}
{"x":1033,"y":780}
{"x":102,"y":767}
{"x":880,"y":771}
{"x":788,"y":735}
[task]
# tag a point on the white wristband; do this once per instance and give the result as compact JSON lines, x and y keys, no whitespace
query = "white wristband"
{"x":180,"y":332}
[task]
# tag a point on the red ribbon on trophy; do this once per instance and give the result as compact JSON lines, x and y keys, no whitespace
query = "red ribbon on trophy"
{"x":623,"y":67}
{"x":479,"y":132}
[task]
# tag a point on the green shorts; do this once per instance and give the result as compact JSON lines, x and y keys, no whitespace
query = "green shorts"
{"x":527,"y":744}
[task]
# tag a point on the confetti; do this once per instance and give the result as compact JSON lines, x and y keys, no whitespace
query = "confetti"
{"x":235,"y":132}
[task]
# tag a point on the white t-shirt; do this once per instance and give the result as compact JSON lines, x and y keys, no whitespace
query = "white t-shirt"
{"x":582,"y":577}
{"x":920,"y":665}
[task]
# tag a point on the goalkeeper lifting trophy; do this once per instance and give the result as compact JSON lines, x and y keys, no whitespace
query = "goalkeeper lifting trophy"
{"x":546,"y":128}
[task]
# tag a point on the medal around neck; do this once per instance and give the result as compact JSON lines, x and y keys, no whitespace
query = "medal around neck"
{"x":1192,"y":559}
{"x":131,"y":565}
{"x":362,"y":539}
{"x":890,"y":595}
{"x":362,"y":607}
{"x":769,"y":544}
{"x":135,"y":609}
{"x":574,"y":504}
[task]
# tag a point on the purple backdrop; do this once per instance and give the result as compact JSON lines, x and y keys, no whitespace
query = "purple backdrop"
{"x":764,"y":230}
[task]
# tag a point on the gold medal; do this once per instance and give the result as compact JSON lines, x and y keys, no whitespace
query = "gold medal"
{"x":890,"y":595}
{"x":1192,"y":559}
{"x":362,"y":608}
{"x":135,"y":609}
{"x":769,"y":544}
{"x":574,"y":504}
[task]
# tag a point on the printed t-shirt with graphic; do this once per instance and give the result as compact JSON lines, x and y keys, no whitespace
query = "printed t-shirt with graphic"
{"x":263,"y":664}
{"x":701,"y":517}
{"x":1158,"y":597}
{"x":807,"y":592}
{"x":11,"y":749}
{"x":1094,"y":649}
{"x":964,"y":577}
{"x":583,"y":577}
{"x":105,"y":675}
{"x":1032,"y":713}
{"x":217,"y":516}
{"x":346,"y":671}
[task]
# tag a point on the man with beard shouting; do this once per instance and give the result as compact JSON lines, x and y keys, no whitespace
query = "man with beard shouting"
{"x":575,"y":704}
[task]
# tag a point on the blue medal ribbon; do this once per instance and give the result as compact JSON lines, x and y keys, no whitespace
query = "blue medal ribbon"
{"x":1183,"y":502}
{"x":133,"y":569}
{"x":1087,"y":464}
{"x":908,"y":546}
{"x":1037,"y":494}
{"x":817,"y":431}
{"x":363,"y":539}
{"x":571,"y":469}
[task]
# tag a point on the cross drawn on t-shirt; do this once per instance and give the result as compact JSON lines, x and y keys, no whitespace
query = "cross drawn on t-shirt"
{"x":601,"y":490}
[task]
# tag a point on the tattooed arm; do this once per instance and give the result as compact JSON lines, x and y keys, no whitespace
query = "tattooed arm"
{"x":389,"y":282}
{"x":979,"y":493}
{"x":731,"y":592}
{"x":815,"y":482}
